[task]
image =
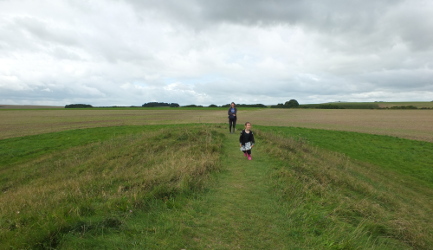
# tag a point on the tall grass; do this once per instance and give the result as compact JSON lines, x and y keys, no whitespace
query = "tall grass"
{"x":24,"y":148}
{"x":407,"y":157}
{"x":337,"y":202}
{"x":327,"y":189}
{"x":100,"y":184}
{"x":326,"y":200}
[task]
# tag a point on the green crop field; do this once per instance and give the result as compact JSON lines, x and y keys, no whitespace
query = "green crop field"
{"x":373,"y":105}
{"x":175,"y":179}
{"x":415,"y":104}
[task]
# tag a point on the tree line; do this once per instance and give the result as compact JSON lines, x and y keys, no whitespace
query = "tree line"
{"x":293,"y":103}
{"x":289,"y":104}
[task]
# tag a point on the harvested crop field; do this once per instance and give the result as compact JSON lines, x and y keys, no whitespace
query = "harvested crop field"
{"x":410,"y":124}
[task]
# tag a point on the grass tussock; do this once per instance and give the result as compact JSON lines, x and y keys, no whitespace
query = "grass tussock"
{"x":347,"y":204}
{"x":101,"y":184}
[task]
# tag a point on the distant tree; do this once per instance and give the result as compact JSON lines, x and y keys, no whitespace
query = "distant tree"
{"x":79,"y":106}
{"x":291,"y":104}
{"x":193,"y":106}
{"x":404,"y":107}
{"x":279,"y":105}
{"x":259,"y":105}
{"x":328,"y":106}
{"x":213,"y":106}
{"x":160,"y":104}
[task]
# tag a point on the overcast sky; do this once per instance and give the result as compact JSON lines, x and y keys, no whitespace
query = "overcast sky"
{"x":130,"y":52}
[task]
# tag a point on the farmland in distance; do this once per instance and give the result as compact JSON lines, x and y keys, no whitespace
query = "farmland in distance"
{"x":410,"y":124}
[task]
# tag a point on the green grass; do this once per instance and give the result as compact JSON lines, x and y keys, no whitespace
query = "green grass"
{"x":28,"y":147}
{"x":189,"y":187}
{"x":405,"y":104}
{"x":370,"y":105}
{"x":405,"y":156}
{"x":96,"y":185}
{"x":343,"y":105}
{"x":351,"y":204}
{"x":235,"y":212}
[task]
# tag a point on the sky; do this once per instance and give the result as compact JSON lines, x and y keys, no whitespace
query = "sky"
{"x":131,"y":52}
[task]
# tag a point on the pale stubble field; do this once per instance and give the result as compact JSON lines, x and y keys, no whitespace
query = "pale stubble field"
{"x":410,"y":124}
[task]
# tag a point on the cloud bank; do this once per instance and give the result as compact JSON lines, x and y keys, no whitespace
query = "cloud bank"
{"x":213,"y":52}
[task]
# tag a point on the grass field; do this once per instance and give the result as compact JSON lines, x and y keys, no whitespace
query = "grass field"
{"x":400,"y":104}
{"x":175,"y":179}
{"x":374,"y":105}
{"x":410,"y":124}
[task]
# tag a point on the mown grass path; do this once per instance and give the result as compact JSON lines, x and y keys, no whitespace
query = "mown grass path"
{"x":240,"y":212}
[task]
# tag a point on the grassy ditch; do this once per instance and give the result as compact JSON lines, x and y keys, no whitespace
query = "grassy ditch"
{"x":408,"y":157}
{"x":334,"y":201}
{"x":96,"y":186}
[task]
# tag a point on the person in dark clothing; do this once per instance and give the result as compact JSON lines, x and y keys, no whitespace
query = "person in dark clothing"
{"x":232,"y":117}
{"x":246,"y":140}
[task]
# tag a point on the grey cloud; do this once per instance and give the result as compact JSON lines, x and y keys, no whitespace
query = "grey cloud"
{"x":414,"y":27}
{"x":206,"y":52}
{"x":42,"y":31}
{"x":346,"y":26}
{"x":333,"y":15}
{"x":421,"y":79}
{"x":21,"y":33}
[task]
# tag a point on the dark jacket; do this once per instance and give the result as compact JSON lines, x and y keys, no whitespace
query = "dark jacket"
{"x":246,"y":137}
{"x":231,"y":114}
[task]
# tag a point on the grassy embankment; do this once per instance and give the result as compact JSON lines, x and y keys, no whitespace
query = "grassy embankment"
{"x":76,"y":181}
{"x":151,"y":186}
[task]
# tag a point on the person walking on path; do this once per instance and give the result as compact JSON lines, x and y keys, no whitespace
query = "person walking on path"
{"x":246,"y":140}
{"x":232,"y":117}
